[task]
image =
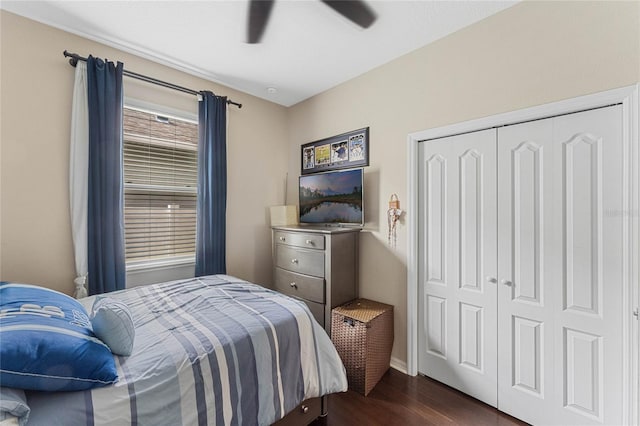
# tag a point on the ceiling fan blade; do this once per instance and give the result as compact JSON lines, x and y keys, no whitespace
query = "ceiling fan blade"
{"x":259,"y":11}
{"x":356,"y":11}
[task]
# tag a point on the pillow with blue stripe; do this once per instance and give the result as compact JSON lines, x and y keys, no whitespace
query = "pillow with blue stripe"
{"x":48,"y":343}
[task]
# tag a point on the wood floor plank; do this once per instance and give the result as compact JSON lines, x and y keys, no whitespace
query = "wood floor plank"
{"x":404,"y":400}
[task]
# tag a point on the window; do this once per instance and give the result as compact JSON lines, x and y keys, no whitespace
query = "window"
{"x":160,"y":188}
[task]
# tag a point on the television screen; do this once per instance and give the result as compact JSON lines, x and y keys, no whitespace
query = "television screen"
{"x":332,"y":198}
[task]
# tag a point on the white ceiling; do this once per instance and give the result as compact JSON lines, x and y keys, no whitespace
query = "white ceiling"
{"x":306,"y":49}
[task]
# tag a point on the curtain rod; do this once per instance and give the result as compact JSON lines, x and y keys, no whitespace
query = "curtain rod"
{"x":75,"y":58}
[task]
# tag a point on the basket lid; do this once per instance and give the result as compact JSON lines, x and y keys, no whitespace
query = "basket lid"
{"x":363,"y":310}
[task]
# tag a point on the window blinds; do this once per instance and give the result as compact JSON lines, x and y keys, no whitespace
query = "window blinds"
{"x":160,"y":173}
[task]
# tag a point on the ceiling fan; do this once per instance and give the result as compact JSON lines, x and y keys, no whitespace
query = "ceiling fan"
{"x":354,"y":10}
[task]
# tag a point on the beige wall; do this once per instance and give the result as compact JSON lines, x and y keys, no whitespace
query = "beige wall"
{"x":530,"y":54}
{"x":36,"y":85}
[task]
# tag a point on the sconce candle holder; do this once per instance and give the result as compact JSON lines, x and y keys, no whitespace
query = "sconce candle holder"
{"x":393,"y":215}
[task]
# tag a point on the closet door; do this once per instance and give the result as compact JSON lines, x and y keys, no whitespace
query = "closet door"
{"x":457,"y":306}
{"x":561,"y":248}
{"x":528,"y":261}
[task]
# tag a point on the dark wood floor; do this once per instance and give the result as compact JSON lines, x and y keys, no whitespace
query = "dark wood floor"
{"x":399,"y":399}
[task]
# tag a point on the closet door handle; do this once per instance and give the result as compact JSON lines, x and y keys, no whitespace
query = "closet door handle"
{"x":506,"y":282}
{"x":492,"y":280}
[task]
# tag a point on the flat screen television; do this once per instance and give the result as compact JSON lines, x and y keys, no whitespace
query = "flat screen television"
{"x":332,"y":198}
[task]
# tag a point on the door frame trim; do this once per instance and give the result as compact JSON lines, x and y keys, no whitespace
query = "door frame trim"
{"x":628,"y":97}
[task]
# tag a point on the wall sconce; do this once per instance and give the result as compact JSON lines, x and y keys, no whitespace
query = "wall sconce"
{"x":393,"y":215}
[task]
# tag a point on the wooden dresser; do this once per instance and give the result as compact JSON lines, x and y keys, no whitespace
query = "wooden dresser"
{"x":318,"y":265}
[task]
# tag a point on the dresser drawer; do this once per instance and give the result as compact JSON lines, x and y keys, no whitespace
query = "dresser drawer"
{"x":303,"y":286}
{"x":311,"y":241}
{"x":306,"y":262}
{"x":317,"y":310}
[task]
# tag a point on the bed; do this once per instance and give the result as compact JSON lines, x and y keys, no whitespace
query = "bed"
{"x":212,"y":350}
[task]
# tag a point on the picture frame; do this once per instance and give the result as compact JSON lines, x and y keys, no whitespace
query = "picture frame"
{"x":344,"y":151}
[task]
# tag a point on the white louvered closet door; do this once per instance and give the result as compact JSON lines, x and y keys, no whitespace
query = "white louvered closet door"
{"x":538,"y":291}
{"x":458,"y":233}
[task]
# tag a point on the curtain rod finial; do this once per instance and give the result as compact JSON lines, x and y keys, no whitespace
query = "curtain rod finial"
{"x":73,"y":58}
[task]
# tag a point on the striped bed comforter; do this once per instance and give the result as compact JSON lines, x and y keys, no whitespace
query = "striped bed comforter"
{"x":212,"y":350}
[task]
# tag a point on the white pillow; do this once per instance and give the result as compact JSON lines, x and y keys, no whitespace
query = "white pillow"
{"x":113,"y":324}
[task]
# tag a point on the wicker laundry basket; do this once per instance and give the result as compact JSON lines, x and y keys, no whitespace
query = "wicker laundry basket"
{"x":362,"y":332}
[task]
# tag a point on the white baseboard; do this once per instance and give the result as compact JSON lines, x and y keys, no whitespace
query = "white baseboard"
{"x":399,"y":365}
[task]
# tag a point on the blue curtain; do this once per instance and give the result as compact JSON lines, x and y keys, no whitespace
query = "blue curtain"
{"x":212,"y":185}
{"x":106,"y":258}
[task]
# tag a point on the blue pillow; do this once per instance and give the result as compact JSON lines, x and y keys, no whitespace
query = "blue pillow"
{"x":48,"y":343}
{"x":113,"y":324}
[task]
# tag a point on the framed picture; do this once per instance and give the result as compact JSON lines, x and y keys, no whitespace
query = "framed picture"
{"x":343,"y":151}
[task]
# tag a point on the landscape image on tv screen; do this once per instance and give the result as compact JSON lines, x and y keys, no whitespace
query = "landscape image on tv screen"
{"x":333,"y":197}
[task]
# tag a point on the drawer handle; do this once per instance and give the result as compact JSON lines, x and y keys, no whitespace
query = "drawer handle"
{"x":293,"y":285}
{"x":294,"y":261}
{"x":310,"y":242}
{"x":282,"y":238}
{"x":304,"y":409}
